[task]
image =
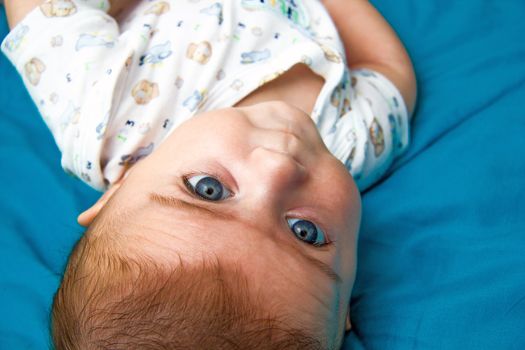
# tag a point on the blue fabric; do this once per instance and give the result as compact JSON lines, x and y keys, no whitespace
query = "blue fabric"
{"x":442,"y":245}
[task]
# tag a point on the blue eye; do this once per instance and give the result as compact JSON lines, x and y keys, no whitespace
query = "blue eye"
{"x":207,"y":187}
{"x":307,"y":231}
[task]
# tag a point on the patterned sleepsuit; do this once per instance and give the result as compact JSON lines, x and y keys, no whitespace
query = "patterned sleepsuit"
{"x":112,"y":92}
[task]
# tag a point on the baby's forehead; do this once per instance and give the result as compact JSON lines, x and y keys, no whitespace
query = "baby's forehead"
{"x":192,"y":230}
{"x":168,"y":223}
{"x":272,"y":267}
{"x":204,"y":227}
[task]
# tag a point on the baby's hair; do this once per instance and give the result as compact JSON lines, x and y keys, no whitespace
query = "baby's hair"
{"x":111,"y":299}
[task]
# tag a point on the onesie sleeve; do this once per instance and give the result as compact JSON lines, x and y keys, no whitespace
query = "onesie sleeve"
{"x":374,"y":130}
{"x":73,"y":62}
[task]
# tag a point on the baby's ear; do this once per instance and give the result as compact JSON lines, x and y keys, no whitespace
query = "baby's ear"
{"x":89,"y":214}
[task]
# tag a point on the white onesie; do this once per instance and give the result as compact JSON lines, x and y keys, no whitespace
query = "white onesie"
{"x":112,"y":92}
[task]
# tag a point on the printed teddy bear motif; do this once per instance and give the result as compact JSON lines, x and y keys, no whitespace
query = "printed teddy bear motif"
{"x":377,"y":137}
{"x":255,"y":56}
{"x":214,"y":10}
{"x":58,"y":8}
{"x":88,"y":40}
{"x":199,"y":52}
{"x":158,"y":9}
{"x":156,"y":54}
{"x":145,"y":91}
{"x":33,"y":70}
{"x":140,"y":153}
{"x":15,"y":39}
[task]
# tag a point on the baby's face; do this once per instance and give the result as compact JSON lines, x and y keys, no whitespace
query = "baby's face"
{"x":255,"y":185}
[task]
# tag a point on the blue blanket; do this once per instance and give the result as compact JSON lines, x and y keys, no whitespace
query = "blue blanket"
{"x":442,"y":245}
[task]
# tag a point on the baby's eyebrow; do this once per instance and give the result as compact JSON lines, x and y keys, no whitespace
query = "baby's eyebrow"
{"x":323,"y":267}
{"x":194,"y":208}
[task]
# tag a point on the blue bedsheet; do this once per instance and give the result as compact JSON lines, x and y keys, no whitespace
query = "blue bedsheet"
{"x":442,"y":246}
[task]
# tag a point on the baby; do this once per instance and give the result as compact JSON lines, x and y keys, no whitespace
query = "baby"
{"x":227,"y":136}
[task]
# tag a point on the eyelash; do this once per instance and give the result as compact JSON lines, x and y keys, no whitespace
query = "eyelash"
{"x":190,"y":189}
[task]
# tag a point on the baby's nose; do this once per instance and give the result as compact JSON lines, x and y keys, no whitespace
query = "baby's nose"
{"x":276,"y":173}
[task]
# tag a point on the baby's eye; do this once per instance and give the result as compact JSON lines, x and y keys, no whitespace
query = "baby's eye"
{"x":307,"y":231}
{"x":207,"y":187}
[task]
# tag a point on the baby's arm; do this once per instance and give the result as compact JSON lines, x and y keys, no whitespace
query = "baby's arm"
{"x":376,"y":127}
{"x":371,"y":43}
{"x":16,"y":10}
